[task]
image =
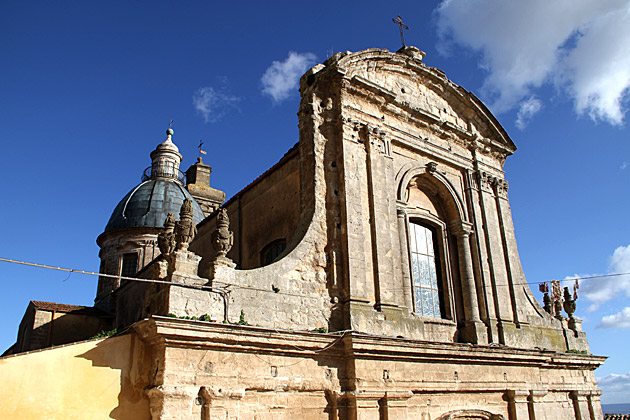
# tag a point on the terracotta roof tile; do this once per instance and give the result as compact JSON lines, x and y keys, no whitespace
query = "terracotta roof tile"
{"x":62,"y":307}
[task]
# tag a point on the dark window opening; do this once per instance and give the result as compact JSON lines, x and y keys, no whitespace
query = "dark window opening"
{"x":129,"y":265}
{"x":271,"y":252}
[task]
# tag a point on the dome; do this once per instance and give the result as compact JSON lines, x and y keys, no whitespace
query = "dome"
{"x":148,"y":204}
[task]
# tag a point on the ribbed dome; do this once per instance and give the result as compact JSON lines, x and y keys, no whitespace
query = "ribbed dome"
{"x":148,"y":204}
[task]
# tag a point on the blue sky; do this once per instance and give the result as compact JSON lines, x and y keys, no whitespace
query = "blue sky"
{"x":88,"y":89}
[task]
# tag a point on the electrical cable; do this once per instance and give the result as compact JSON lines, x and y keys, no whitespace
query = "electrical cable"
{"x":225,"y":286}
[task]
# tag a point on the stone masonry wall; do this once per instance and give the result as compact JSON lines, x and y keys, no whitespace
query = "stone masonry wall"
{"x":213,"y":371}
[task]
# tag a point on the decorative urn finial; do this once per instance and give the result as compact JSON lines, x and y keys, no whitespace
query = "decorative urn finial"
{"x":569,"y":307}
{"x":185,"y":229}
{"x":222,"y":238}
{"x":166,"y":237}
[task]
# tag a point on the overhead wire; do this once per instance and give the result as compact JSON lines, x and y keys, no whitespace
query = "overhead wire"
{"x":224,"y":286}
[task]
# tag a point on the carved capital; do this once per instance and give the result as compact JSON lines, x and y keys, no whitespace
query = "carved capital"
{"x":380,"y":140}
{"x":463,"y":230}
{"x":579,"y":395}
{"x":501,"y":187}
{"x":538,"y":394}
{"x":518,"y":396}
{"x":485,"y":180}
{"x":473,"y":181}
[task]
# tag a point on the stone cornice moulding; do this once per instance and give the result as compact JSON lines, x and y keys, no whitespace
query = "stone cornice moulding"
{"x":205,"y":335}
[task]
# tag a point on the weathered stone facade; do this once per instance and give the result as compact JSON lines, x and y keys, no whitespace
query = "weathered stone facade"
{"x":214,"y":371}
{"x":387,"y":147}
{"x":373,"y":271}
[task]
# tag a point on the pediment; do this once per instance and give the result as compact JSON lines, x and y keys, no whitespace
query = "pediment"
{"x":403,"y":82}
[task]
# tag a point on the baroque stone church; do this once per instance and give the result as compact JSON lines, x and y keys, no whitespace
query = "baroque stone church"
{"x":372,"y":273}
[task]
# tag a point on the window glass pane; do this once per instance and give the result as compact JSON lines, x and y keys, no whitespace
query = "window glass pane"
{"x":429,"y":236}
{"x":427,"y":304}
{"x":425,"y":277}
{"x":415,"y":264}
{"x":436,"y":304}
{"x":432,"y":274}
{"x":412,"y":237}
{"x":424,"y":270}
{"x":418,"y":301}
{"x":421,"y":240}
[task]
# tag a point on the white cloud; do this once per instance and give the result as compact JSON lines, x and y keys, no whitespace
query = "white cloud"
{"x":619,"y":320}
{"x":615,"y":387}
{"x":598,"y":68}
{"x":527,"y":110}
{"x":282,"y":77}
{"x":624,"y":165}
{"x":604,"y":289}
{"x":580,"y":45}
{"x":213,"y":103}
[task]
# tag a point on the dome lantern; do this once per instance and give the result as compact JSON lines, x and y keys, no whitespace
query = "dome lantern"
{"x":165,"y":159}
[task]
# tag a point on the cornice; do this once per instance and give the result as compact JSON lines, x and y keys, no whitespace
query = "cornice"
{"x":180,"y":333}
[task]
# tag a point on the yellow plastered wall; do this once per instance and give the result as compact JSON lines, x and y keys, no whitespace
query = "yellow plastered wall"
{"x":97,"y":379}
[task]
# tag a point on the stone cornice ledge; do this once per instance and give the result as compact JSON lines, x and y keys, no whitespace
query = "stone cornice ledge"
{"x":364,"y":346}
{"x":172,"y":332}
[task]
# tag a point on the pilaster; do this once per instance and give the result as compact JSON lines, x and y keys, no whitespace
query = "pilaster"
{"x":581,"y":404}
{"x":518,"y":405}
{"x":595,"y":405}
{"x":380,"y":181}
{"x":537,"y":409}
{"x":169,"y":402}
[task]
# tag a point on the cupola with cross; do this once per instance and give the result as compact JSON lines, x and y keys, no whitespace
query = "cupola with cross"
{"x":128,"y":242}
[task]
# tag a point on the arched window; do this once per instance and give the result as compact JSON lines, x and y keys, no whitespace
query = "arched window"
{"x":425,"y":272}
{"x":271,"y":251}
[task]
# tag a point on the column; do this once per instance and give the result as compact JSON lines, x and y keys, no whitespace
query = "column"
{"x":475,"y":332}
{"x":467,"y":273}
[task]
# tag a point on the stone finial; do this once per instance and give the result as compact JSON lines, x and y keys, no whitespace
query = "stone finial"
{"x":222,"y":238}
{"x":556,"y":297}
{"x":185,"y":229}
{"x":570,"y":307}
{"x":547,"y":303}
{"x":166,"y":237}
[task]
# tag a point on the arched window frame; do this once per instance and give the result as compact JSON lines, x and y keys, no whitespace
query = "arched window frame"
{"x":443,"y":260}
{"x":277,"y":246}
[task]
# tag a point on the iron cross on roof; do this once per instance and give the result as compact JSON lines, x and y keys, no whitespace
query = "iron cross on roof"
{"x":398,"y":21}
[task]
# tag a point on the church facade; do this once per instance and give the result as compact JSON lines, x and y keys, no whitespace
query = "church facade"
{"x":372,"y":273}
